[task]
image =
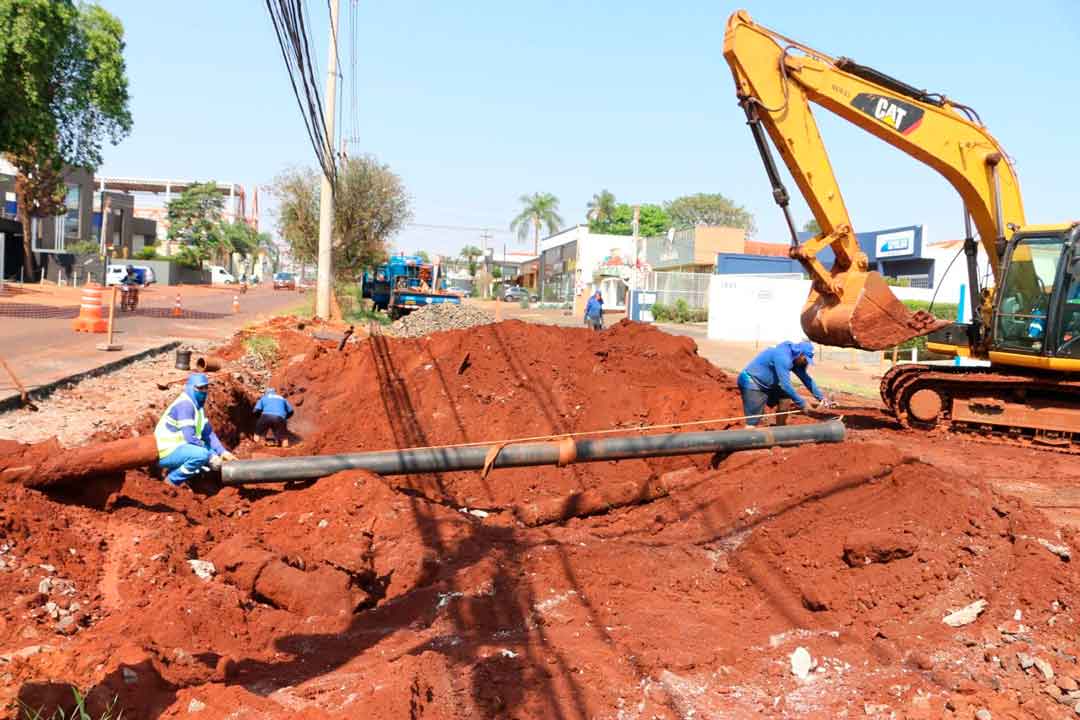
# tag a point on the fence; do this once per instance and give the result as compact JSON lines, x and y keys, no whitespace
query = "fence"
{"x":672,"y":286}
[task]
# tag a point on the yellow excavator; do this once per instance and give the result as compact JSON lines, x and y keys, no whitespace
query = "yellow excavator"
{"x":1027,"y":324}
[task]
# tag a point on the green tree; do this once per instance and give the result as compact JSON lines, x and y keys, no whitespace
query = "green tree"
{"x":195,"y":221}
{"x":538,"y":210}
{"x":423,"y":255}
{"x":812,"y":226}
{"x":370,"y":206}
{"x":64,"y":91}
{"x":709,"y":209}
{"x":237,"y":237}
{"x":297,"y":192}
{"x":601,"y":207}
{"x":652,"y":221}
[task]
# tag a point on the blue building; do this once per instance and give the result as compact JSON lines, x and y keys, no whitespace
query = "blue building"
{"x":893,"y":252}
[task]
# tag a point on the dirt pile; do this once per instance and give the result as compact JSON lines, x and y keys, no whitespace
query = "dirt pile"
{"x":429,"y":597}
{"x":438,"y":318}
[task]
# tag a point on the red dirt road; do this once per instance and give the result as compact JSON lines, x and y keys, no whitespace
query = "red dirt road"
{"x":429,"y":597}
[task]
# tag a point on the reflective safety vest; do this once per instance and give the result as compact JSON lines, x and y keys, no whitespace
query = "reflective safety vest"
{"x":168,"y":434}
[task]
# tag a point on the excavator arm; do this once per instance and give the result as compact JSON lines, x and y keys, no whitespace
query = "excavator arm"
{"x":776,"y":78}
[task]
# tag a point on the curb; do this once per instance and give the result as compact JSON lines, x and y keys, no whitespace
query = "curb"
{"x":14,"y":402}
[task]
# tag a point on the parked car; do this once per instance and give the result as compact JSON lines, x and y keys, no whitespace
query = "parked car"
{"x":221,"y":276}
{"x":284,"y":281}
{"x":514,"y":293}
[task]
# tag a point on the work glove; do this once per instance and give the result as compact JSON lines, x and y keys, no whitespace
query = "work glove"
{"x":215,"y":462}
{"x":824,"y":404}
{"x":228,"y":456}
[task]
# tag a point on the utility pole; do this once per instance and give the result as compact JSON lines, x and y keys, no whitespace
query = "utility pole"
{"x":634,"y":271}
{"x":326,"y":195}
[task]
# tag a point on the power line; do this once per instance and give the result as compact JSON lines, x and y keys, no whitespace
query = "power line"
{"x":464,"y":228}
{"x":291,"y":21}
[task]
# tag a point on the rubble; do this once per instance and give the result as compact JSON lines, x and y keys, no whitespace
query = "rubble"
{"x":437,"y":318}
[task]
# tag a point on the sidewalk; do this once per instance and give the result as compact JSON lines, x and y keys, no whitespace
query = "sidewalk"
{"x":836,"y":370}
{"x":42,"y":351}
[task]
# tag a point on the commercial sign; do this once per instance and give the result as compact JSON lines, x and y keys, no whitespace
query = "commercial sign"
{"x":900,"y":243}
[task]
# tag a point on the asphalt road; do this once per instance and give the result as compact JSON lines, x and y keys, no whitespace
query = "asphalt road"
{"x":44,"y":350}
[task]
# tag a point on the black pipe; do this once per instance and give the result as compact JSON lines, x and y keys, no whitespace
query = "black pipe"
{"x":449,"y":459}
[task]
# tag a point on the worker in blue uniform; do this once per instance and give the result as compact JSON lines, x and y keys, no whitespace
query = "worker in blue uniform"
{"x":187,"y":445}
{"x":766,"y":381}
{"x":274,"y":412}
{"x":594,"y":312}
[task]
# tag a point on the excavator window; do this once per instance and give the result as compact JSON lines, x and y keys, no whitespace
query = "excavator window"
{"x":1026,"y":293}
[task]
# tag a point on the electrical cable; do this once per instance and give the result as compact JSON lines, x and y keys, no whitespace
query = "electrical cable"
{"x":291,"y":21}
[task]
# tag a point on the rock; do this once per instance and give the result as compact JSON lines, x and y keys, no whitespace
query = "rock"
{"x":196,"y":706}
{"x":1024,"y":660}
{"x":45,"y":586}
{"x":67,"y":625}
{"x":202,"y":568}
{"x":324,"y":523}
{"x":876,"y":546}
{"x":965,"y":615}
{"x":129,"y":675}
{"x":801,"y":663}
{"x":1062,"y":551}
{"x":1012,"y":627}
{"x":28,"y":651}
{"x":873,"y":709}
{"x":52,"y":609}
{"x":48,"y":568}
{"x":436,"y":318}
{"x":1067,"y":684}
{"x":1044,"y":667}
{"x":983,"y":714}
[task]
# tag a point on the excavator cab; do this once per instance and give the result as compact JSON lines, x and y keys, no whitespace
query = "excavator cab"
{"x":1037,"y":311}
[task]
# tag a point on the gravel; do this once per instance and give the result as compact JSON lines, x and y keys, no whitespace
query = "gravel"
{"x":436,"y":318}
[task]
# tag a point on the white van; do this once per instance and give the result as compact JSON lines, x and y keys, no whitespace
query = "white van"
{"x":116,"y":272}
{"x":221,"y":276}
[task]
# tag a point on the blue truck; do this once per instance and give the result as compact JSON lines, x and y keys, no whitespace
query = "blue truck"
{"x":405,"y":283}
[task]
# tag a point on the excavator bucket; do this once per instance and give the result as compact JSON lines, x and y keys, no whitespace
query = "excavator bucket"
{"x":867,"y":315}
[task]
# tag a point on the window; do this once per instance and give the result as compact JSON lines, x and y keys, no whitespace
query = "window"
{"x":73,"y":217}
{"x":1025,"y":293}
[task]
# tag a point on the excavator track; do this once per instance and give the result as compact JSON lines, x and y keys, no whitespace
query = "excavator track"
{"x":1030,"y":409}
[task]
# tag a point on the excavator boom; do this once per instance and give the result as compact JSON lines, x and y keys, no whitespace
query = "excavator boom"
{"x":776,"y":78}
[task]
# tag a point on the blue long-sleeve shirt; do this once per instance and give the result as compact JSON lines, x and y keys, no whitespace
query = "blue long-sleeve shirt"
{"x":772,"y":369}
{"x":273,"y":404}
{"x":183,"y":419}
{"x":594,"y":308}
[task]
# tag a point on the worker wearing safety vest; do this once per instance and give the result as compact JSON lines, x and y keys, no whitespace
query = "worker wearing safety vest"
{"x":186,"y":444}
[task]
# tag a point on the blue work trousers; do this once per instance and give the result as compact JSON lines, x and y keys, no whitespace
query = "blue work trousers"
{"x":755,"y":398}
{"x":185,"y":462}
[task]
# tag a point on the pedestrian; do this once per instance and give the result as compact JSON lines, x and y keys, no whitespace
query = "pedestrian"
{"x":594,"y":312}
{"x":187,"y":445}
{"x":766,"y":381}
{"x":274,"y":412}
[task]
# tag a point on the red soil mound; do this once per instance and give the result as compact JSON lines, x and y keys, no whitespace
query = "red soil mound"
{"x":357,"y":597}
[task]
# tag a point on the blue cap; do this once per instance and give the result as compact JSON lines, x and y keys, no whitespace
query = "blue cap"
{"x":196,"y":380}
{"x":803,"y":348}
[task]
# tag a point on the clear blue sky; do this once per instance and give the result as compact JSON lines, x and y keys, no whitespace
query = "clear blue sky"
{"x":475,"y":103}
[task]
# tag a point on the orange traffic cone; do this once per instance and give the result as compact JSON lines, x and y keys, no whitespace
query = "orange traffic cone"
{"x":236,"y":303}
{"x":177,"y":311}
{"x":91,"y":313}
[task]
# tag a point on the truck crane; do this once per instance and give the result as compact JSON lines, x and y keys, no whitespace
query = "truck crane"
{"x":1027,"y":324}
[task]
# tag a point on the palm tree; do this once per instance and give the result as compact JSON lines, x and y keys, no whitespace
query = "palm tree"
{"x":470,"y":253}
{"x":601,"y":207}
{"x":540,"y":210}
